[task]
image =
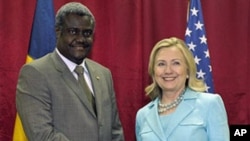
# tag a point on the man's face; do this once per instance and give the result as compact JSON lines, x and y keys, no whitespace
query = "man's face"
{"x":75,"y":38}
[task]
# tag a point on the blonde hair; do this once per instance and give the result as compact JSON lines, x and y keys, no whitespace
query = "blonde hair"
{"x":153,"y":90}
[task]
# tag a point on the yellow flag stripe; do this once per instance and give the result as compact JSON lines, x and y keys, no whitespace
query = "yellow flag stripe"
{"x":29,"y":59}
{"x":19,"y":134}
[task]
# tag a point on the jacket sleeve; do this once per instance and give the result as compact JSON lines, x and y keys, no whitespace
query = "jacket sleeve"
{"x":33,"y":105}
{"x":117,"y":129}
{"x":217,"y":128}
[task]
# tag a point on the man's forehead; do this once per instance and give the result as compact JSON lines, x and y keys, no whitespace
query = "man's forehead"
{"x":77,"y":20}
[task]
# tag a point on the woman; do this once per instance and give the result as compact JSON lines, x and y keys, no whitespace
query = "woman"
{"x":180,"y":110}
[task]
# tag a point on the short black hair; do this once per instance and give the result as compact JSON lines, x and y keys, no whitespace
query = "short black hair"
{"x":72,"y":8}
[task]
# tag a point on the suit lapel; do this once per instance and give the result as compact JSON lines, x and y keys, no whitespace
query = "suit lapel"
{"x":182,"y":111}
{"x":153,"y":120}
{"x":95,"y":80}
{"x":71,"y":81}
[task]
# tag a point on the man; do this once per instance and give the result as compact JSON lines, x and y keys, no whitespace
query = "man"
{"x":51,"y":100}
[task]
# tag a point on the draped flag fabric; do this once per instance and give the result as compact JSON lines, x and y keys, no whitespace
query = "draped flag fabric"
{"x":42,"y":41}
{"x":196,"y":40}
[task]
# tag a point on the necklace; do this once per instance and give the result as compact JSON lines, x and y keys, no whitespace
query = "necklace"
{"x":165,"y":107}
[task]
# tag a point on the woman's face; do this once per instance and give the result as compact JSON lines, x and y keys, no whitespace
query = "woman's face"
{"x":170,"y":69}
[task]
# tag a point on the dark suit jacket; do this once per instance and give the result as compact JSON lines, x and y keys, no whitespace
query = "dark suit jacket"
{"x":51,"y":105}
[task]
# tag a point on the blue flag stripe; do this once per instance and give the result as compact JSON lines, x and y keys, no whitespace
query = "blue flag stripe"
{"x":42,"y":41}
{"x":43,"y":32}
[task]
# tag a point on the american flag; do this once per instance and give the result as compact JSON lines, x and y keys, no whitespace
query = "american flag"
{"x":196,"y":40}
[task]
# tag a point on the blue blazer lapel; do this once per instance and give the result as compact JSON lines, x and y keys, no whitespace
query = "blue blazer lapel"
{"x":154,"y":121}
{"x":181,"y":112}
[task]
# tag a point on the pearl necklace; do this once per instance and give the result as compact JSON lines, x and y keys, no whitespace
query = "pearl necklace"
{"x":165,"y":107}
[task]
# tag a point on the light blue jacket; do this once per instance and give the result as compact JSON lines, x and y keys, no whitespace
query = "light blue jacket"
{"x":199,"y":117}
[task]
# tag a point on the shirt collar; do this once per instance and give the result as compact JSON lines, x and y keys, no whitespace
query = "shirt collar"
{"x":71,"y":65}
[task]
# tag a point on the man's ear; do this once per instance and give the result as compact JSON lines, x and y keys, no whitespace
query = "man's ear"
{"x":58,"y":32}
